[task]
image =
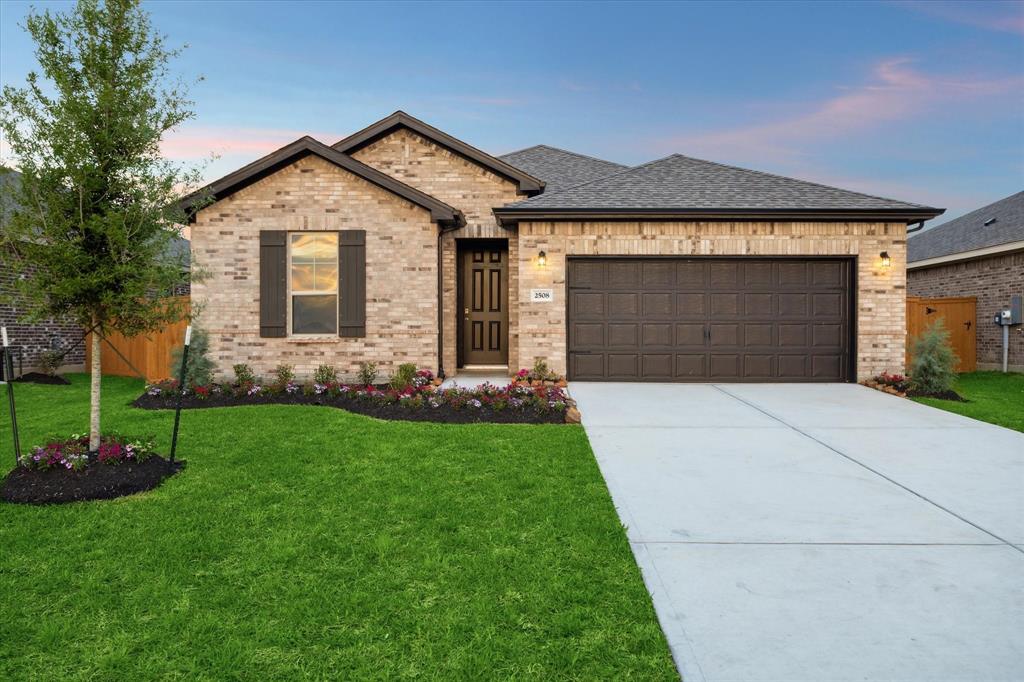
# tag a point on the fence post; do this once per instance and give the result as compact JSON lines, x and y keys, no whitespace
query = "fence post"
{"x":181,"y":391}
{"x":8,"y":361}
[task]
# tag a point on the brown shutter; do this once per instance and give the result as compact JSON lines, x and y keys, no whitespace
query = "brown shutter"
{"x":273,"y":283}
{"x":352,"y":283}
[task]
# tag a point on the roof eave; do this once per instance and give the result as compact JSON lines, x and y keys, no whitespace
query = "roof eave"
{"x":972,"y":254}
{"x":440,"y":212}
{"x":510,"y":214}
{"x":526,"y":184}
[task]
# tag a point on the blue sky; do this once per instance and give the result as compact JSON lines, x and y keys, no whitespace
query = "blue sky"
{"x":918,"y":101}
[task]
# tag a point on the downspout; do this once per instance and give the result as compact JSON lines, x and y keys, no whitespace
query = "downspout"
{"x":440,"y":306}
{"x":920,"y":224}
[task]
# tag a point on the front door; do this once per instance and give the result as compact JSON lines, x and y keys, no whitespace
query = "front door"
{"x":484,"y":304}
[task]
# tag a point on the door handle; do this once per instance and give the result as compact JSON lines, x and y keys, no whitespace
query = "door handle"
{"x":467,"y":313}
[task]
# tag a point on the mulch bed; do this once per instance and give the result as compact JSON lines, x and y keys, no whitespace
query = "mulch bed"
{"x":40,"y":378}
{"x":444,"y":414}
{"x":945,"y":395}
{"x":95,"y":482}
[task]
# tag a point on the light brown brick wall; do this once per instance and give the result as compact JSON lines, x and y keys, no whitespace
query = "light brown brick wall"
{"x":312,"y":194}
{"x":881,"y":292}
{"x":460,"y":183}
{"x":992,"y":281}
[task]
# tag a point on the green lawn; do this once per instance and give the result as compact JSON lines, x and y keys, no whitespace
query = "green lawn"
{"x":992,"y":397}
{"x":307,"y":542}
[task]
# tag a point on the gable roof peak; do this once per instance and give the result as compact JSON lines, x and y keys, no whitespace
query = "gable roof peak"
{"x":526,"y":184}
{"x":440,"y":212}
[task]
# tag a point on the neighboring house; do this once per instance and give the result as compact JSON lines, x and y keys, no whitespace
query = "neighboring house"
{"x":675,"y":270}
{"x":61,"y":335}
{"x":980,"y":254}
{"x":29,"y":340}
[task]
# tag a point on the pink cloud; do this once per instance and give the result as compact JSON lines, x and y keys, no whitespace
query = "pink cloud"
{"x":895,"y":92}
{"x":196,"y":142}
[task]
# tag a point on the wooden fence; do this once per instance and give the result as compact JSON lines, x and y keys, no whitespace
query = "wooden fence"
{"x":150,"y":353}
{"x":960,"y":318}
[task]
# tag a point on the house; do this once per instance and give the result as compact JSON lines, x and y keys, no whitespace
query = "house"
{"x":402,"y":243}
{"x":980,"y":254}
{"x":30,"y":340}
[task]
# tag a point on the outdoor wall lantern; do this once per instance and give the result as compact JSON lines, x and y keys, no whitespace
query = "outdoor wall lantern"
{"x":542,"y":259}
{"x":886,"y":261}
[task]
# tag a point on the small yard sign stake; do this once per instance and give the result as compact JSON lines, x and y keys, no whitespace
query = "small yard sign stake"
{"x":181,"y":390}
{"x":8,"y":361}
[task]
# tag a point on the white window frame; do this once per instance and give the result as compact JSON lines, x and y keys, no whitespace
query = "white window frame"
{"x":336,"y":292}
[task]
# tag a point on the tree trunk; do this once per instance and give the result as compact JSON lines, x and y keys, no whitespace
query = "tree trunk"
{"x":94,"y":394}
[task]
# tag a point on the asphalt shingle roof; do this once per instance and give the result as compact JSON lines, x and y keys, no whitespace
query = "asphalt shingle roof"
{"x":558,"y":168}
{"x":178,"y":248}
{"x":681,"y":182}
{"x":969,"y":232}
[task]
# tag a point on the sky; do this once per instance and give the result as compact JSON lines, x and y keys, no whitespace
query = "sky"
{"x":918,"y":101}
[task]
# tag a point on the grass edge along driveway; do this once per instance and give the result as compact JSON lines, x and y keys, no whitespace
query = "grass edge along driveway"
{"x":992,"y":397}
{"x":310,"y":542}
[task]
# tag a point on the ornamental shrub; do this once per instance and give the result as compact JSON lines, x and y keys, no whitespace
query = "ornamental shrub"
{"x":932,"y":361}
{"x":243,"y":374}
{"x":403,"y":376}
{"x":325,"y":374}
{"x":50,"y":361}
{"x":199,"y":368}
{"x":368,"y":373}
{"x":284,"y":375}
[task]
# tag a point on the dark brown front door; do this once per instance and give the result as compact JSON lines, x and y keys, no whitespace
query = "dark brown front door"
{"x":710,"y":319}
{"x":484,"y":300}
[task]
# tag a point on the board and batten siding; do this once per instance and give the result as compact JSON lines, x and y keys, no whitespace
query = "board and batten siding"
{"x":880,"y":291}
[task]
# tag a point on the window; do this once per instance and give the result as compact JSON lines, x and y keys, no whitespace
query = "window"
{"x":313,"y":282}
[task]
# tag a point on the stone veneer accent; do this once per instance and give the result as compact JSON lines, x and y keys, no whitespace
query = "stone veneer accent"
{"x":312,"y":194}
{"x":881,"y":292}
{"x":992,"y":281}
{"x":458,"y":182}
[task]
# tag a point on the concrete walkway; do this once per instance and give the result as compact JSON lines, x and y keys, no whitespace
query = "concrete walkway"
{"x":818,"y":532}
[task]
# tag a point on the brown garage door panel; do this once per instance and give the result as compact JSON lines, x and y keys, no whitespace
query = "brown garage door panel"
{"x":693,"y":319}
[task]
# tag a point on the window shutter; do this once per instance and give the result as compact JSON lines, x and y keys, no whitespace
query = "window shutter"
{"x":273,"y":283}
{"x":352,"y":283}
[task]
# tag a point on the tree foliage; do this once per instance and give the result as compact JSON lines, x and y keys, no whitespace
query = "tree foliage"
{"x":96,"y":206}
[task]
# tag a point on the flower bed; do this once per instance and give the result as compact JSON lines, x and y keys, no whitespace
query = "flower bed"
{"x":899,"y":385}
{"x":421,"y":400}
{"x":63,"y":470}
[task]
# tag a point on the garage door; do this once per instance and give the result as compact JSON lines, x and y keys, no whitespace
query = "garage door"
{"x":710,"y":319}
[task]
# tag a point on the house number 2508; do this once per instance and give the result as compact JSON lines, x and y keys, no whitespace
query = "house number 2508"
{"x":542,"y":295}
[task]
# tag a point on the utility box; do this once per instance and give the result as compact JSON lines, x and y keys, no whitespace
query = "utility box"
{"x":1016,"y":314}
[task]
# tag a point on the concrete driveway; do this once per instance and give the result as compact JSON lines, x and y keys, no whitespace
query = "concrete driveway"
{"x":818,"y":532}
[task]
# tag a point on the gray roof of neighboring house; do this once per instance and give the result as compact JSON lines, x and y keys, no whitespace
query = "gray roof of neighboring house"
{"x":177,"y":248}
{"x":969,"y":232}
{"x":558,"y":168}
{"x":680,"y":182}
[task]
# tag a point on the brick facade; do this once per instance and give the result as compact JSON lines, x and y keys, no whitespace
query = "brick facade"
{"x":312,"y":194}
{"x":475,"y":191}
{"x":881,"y":292}
{"x":33,"y":339}
{"x":992,"y":281}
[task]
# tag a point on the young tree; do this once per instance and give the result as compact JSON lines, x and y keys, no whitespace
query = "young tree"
{"x":97,"y":205}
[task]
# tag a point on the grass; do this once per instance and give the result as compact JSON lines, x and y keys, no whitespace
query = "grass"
{"x":992,"y":397}
{"x":307,"y":542}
